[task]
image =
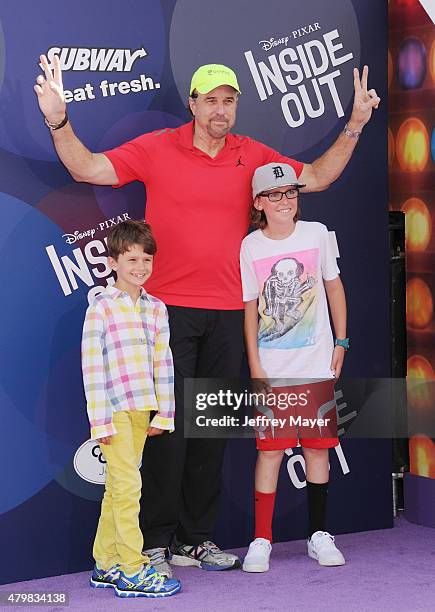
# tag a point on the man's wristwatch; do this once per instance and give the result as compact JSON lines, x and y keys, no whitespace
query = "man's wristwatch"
{"x":56,"y":126}
{"x":342,"y":342}
{"x":351,"y":133}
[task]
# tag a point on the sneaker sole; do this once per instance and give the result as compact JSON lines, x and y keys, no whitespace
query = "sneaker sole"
{"x":183,"y":561}
{"x":312,"y":555}
{"x":255,"y":569}
{"x":158,"y":595}
{"x":101,"y":585}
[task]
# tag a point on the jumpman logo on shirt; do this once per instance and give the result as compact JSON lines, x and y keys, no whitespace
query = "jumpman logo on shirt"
{"x":239,"y":162}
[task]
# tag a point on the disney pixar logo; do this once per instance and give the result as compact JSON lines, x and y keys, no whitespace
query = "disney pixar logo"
{"x":72,"y":238}
{"x":268,"y":44}
{"x":90,"y":233}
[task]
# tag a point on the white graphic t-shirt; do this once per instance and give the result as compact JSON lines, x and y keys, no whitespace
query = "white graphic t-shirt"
{"x":286,"y":276}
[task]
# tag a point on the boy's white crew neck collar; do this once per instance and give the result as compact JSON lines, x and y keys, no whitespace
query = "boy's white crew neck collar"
{"x":266,"y":238}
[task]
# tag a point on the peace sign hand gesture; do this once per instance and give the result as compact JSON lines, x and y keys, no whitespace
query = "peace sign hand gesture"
{"x":49,"y":89}
{"x":365,"y":100}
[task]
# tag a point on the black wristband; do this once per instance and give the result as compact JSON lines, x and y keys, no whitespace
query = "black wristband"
{"x":57,"y":126}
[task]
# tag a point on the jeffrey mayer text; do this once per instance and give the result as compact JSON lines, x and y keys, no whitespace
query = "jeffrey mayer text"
{"x":292,"y":421}
{"x":260,"y":421}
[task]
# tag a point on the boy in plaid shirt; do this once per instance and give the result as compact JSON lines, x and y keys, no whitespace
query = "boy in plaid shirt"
{"x":127,"y":372}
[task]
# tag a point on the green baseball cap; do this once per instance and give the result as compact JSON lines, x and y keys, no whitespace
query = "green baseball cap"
{"x":210,"y":76}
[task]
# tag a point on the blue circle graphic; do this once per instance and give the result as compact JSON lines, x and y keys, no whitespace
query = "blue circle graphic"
{"x":113,"y":61}
{"x":294,"y":62}
{"x":43,"y":408}
{"x":411,"y":64}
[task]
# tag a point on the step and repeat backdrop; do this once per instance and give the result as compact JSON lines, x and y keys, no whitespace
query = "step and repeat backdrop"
{"x":411,"y":157}
{"x":127,"y":68}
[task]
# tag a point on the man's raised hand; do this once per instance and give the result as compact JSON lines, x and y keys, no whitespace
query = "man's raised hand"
{"x":49,"y":89}
{"x":364,"y":102}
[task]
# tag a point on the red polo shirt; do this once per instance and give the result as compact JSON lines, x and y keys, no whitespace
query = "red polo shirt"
{"x":198,"y":208}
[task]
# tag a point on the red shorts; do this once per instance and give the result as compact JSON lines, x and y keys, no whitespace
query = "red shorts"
{"x":299,"y":413}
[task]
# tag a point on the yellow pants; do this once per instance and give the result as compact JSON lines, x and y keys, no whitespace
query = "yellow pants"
{"x":119,"y":538}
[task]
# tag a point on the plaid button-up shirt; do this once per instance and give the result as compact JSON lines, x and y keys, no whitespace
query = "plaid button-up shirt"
{"x":126,"y":360}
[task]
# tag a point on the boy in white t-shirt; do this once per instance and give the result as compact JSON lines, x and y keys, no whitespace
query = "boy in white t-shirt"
{"x":289,"y":274}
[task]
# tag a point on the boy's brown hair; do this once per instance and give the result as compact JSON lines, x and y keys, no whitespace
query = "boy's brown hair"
{"x":127,"y":233}
{"x":258,"y":219}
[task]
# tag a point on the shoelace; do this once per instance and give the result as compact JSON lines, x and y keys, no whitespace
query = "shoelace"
{"x":113,"y":572}
{"x":211,"y":547}
{"x":325,"y":539}
{"x":258,"y":542}
{"x":154,"y":579}
{"x":156,"y":555}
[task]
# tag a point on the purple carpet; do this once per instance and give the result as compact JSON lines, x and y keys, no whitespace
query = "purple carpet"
{"x":388,"y":570}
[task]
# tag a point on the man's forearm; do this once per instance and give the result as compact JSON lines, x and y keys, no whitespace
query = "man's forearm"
{"x":325,"y":170}
{"x":72,"y":153}
{"x":83,"y":165}
{"x":329,"y":166}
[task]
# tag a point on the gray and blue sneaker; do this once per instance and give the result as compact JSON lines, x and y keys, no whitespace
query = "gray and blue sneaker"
{"x":207,"y":556}
{"x":146,"y":583}
{"x":101,"y":578}
{"x":158,"y":559}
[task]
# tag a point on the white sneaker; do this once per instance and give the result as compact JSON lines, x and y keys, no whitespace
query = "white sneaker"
{"x":322,"y":548}
{"x":257,"y":557}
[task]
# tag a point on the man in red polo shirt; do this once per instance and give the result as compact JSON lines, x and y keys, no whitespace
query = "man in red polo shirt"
{"x":198,"y":179}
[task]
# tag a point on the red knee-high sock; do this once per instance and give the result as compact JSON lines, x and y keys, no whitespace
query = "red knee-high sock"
{"x":264,"y":505}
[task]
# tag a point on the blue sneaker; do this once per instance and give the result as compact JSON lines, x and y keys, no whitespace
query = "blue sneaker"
{"x":101,"y":579}
{"x":147,"y":583}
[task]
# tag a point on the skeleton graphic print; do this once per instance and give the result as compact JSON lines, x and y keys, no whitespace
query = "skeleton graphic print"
{"x":287,"y":298}
{"x":283,"y":295}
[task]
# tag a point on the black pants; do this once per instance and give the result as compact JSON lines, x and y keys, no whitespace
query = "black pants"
{"x":182,"y":477}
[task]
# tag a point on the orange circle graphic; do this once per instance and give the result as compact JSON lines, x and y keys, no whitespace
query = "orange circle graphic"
{"x":412,"y":145}
{"x":419,"y":304}
{"x":418,"y":224}
{"x":420,"y":383}
{"x":422,"y":456}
